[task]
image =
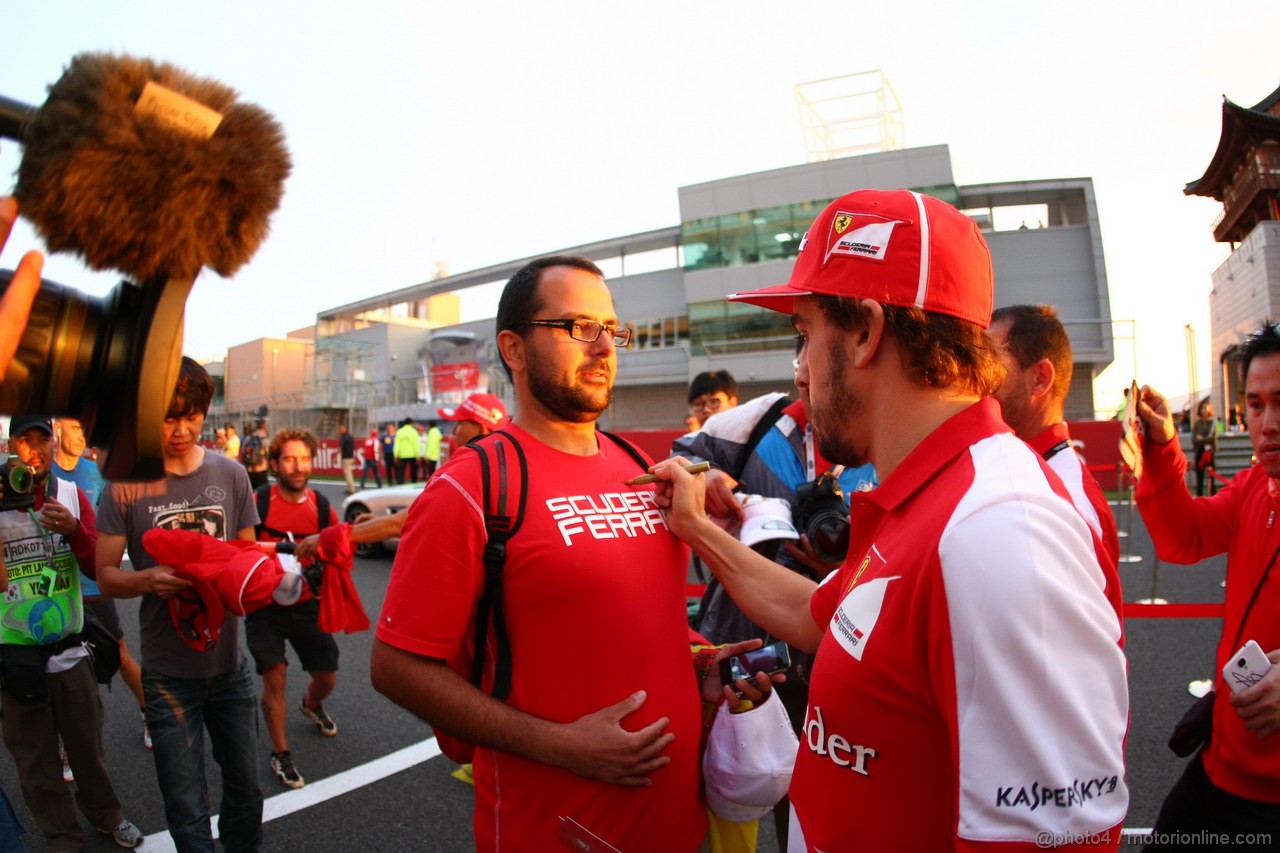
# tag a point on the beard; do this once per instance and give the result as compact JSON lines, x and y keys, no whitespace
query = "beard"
{"x":830,"y":418}
{"x":572,"y":404}
{"x":295,"y":483}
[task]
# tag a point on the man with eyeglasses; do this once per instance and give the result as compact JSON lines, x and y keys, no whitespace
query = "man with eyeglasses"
{"x":599,"y":736}
{"x":712,"y":392}
{"x":1230,"y":784}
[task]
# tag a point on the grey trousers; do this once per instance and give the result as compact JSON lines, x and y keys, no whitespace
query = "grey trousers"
{"x":74,"y":711}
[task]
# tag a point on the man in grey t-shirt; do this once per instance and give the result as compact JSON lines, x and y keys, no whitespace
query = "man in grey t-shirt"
{"x":188,"y":691}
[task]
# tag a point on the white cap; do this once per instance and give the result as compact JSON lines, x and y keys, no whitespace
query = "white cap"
{"x":749,"y":759}
{"x":764,"y":519}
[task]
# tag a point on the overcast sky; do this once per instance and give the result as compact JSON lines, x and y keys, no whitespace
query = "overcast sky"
{"x":478,"y":133}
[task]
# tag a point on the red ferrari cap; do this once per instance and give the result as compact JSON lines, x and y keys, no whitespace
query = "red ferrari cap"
{"x":897,"y":247}
{"x":485,"y":409}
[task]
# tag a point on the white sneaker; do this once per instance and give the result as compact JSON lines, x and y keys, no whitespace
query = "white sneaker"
{"x":67,"y":775}
{"x":125,"y":835}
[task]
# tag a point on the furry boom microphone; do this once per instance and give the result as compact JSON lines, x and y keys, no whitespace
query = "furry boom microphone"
{"x":140,"y":168}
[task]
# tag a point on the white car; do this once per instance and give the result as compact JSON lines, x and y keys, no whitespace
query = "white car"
{"x":379,"y":502}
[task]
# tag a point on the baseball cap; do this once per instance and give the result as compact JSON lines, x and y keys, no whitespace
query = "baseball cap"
{"x":897,"y":247}
{"x":764,"y":519}
{"x":485,"y":409}
{"x":748,"y":761}
{"x":21,"y":423}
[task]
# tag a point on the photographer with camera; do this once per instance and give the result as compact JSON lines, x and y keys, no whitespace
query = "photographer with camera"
{"x":765,"y":447}
{"x":49,"y":686}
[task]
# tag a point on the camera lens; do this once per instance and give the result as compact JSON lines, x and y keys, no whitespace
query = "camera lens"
{"x":19,"y":479}
{"x":111,"y":363}
{"x":829,"y":535}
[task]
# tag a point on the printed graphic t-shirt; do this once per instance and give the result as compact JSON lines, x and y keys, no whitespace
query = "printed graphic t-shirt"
{"x":216,"y":500}
{"x":594,"y":599}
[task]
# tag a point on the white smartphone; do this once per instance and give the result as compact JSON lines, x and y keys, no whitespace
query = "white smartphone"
{"x":1246,"y":667}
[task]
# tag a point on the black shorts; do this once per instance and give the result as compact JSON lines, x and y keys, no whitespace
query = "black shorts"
{"x":268,"y":628}
{"x":104,"y":610}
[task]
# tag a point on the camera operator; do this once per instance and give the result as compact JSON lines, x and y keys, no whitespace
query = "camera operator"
{"x":49,"y":687}
{"x":765,"y":447}
{"x":15,"y":306}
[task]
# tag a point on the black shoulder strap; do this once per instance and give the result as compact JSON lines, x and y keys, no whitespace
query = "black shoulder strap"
{"x":762,"y":427}
{"x":501,"y":459}
{"x":322,"y":509}
{"x":634,"y":452}
{"x":263,"y":495}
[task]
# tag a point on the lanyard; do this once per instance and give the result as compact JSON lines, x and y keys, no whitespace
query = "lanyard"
{"x":49,"y":572}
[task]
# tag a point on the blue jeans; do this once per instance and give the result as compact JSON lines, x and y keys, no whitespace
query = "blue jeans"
{"x":370,"y":465}
{"x":178,"y":712}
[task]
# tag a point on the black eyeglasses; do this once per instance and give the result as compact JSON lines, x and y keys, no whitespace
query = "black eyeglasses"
{"x":587,"y":331}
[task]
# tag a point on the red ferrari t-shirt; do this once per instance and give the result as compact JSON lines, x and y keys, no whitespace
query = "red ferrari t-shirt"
{"x":301,"y":518}
{"x":594,"y":597}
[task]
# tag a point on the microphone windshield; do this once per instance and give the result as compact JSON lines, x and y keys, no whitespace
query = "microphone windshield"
{"x":142,"y":168}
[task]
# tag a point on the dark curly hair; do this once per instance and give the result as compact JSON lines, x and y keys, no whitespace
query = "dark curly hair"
{"x":278,"y":440}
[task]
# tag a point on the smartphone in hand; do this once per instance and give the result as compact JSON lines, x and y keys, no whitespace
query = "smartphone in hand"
{"x":1246,"y":667}
{"x":775,"y":657}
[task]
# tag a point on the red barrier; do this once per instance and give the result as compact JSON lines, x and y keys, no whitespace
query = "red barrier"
{"x":1099,"y":443}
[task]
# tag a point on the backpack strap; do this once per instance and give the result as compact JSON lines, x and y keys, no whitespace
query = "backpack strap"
{"x":761,"y":429}
{"x":263,"y":496}
{"x":322,"y":509}
{"x":501,"y":460}
{"x":634,"y":452}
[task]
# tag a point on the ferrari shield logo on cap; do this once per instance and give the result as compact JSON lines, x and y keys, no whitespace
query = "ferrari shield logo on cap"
{"x":862,"y":234}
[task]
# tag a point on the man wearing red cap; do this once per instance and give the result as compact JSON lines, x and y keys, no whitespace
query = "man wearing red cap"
{"x":188,"y":690}
{"x":969,"y":687}
{"x":479,"y":414}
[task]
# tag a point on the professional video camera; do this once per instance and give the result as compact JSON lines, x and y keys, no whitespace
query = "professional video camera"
{"x":17,"y":484}
{"x":822,"y":514}
{"x":141,"y":168}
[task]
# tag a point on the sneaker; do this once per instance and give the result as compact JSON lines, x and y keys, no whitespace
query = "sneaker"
{"x":282,"y":766}
{"x":323,"y":722}
{"x":146,"y":732}
{"x":125,"y":835}
{"x":67,"y":775}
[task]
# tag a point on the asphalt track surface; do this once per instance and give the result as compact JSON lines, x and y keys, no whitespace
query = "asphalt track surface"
{"x":379,"y":785}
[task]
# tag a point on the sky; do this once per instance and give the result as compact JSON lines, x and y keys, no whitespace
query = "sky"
{"x":477,"y":133}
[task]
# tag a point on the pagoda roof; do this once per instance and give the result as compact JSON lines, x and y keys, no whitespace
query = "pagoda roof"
{"x":1242,"y":128}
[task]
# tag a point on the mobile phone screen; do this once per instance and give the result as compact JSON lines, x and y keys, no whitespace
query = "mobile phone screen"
{"x":770,"y":659}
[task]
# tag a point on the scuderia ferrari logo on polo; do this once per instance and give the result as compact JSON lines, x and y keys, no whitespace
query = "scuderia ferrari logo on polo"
{"x":863,"y":235}
{"x":856,"y":617}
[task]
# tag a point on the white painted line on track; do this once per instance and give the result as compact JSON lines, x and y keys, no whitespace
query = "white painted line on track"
{"x":314,"y":793}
